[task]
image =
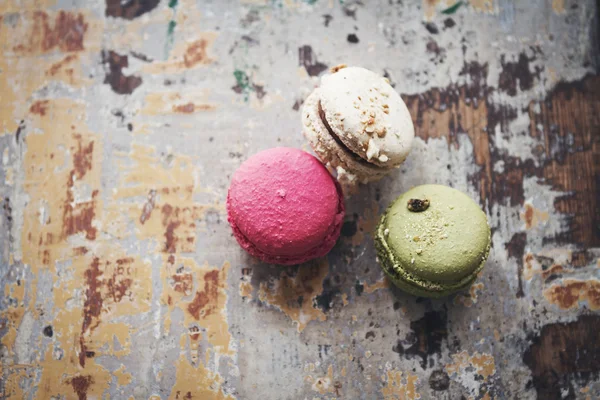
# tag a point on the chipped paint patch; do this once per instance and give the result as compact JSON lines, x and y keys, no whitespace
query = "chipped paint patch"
{"x":323,"y":384}
{"x":366,"y":224}
{"x":294,"y":295}
{"x":469,"y":300}
{"x":570,"y":293}
{"x":199,"y":291}
{"x":558,"y":6}
{"x":471,"y":371}
{"x":185,"y":56}
{"x":533,"y":217}
{"x":383,"y":283}
{"x":398,"y":387}
{"x":246,"y":289}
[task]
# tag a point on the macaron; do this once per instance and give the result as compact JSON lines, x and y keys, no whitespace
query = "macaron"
{"x":285,"y":207}
{"x":357,"y":124}
{"x":433,"y":241}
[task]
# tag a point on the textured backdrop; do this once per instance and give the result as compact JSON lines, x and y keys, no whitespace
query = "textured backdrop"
{"x":122,"y":121}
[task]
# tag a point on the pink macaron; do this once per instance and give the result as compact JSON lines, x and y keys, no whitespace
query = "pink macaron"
{"x":285,"y":207}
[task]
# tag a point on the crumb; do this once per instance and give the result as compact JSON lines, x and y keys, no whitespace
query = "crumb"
{"x":337,"y":68}
{"x":418,"y":205}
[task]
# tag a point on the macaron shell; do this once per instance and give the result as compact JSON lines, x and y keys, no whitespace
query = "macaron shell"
{"x":412,"y":283}
{"x":443,"y":244}
{"x":284,"y":206}
{"x":367,"y":115}
{"x":350,"y":168}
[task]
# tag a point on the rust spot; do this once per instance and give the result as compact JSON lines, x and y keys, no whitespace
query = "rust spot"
{"x":46,"y":257}
{"x":78,"y":218}
{"x":196,"y":53}
{"x":92,"y":306}
{"x":129,"y":9}
{"x":79,"y":251}
{"x":80,"y":385}
{"x":119,"y":82}
{"x":39,"y":107}
{"x":563,"y":353}
{"x":571,"y":292}
{"x":183,"y":283}
{"x":118,"y":287}
{"x":170,"y":238}
{"x":191,"y":107}
{"x":205,"y":302}
{"x":307,"y":59}
{"x":56,"y":67}
{"x":82,"y":157}
{"x":67,"y":34}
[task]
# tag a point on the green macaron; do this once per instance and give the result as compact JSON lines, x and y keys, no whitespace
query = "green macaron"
{"x":433,"y":241}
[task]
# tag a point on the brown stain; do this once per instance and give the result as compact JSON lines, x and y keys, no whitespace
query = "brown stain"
{"x":39,"y":107}
{"x":383,"y":283}
{"x":119,"y":82}
{"x":66,"y":33}
{"x":80,"y":385}
{"x":295,"y":294}
{"x":517,"y":74}
{"x":571,"y":292}
{"x":533,"y":217}
{"x":196,"y":53}
{"x":190,"y":108}
{"x":563,"y":352}
{"x":130,"y":9}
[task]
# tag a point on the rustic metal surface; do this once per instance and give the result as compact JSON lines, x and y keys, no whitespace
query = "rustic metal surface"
{"x":122,"y":122}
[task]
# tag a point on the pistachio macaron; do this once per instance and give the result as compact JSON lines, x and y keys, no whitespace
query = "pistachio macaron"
{"x":433,"y":241}
{"x":358,"y":124}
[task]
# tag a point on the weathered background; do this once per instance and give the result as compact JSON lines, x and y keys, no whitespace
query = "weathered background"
{"x":121,"y":123}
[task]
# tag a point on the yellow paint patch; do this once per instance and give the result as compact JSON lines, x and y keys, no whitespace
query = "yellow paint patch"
{"x":123,"y":377}
{"x":199,"y":291}
{"x":483,"y":364}
{"x":558,"y":6}
{"x":245,"y":289}
{"x":345,"y":299}
{"x":533,"y":217}
{"x":398,"y":388}
{"x":164,"y":103}
{"x":571,"y":292}
{"x":486,"y":6}
{"x":471,"y":299}
{"x":165,"y":211}
{"x":383,"y":283}
{"x":196,"y":382}
{"x":294,"y":294}
{"x":29,"y":59}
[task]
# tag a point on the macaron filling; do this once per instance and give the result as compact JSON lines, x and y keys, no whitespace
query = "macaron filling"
{"x":356,"y":157}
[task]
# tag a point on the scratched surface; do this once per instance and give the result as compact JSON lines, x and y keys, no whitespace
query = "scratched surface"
{"x":121,"y":123}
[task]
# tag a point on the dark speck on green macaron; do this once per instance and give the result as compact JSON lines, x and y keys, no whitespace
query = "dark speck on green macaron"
{"x":418,"y":205}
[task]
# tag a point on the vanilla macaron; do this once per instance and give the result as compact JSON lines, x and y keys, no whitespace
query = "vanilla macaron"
{"x":357,"y":124}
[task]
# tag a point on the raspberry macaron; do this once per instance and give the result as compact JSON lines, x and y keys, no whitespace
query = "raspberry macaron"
{"x":285,"y":207}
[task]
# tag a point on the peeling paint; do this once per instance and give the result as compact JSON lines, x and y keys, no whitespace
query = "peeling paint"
{"x":294,"y":295}
{"x":571,"y":292}
{"x":399,"y":385}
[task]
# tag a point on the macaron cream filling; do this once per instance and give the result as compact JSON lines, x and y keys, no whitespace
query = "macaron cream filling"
{"x":356,"y":157}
